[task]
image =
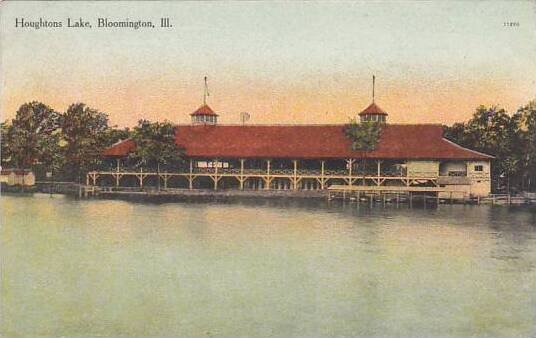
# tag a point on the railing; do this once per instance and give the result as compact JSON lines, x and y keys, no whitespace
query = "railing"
{"x":273,"y":172}
{"x":457,"y":173}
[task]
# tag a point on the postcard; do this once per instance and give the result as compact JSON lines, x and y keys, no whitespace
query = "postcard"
{"x":268,"y":168}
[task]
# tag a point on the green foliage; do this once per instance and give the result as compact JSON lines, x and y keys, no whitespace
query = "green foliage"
{"x":113,"y":135}
{"x":32,"y":137}
{"x":155,"y":144}
{"x":364,"y":136}
{"x":5,"y":149}
{"x":511,"y":139}
{"x":83,"y":137}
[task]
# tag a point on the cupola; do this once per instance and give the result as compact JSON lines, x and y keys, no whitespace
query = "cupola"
{"x":373,"y":113}
{"x":204,"y":115}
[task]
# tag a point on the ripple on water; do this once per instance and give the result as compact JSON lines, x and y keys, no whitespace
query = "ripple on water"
{"x":98,"y":267}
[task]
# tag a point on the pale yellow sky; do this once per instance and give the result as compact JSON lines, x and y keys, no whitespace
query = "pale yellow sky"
{"x":284,"y":62}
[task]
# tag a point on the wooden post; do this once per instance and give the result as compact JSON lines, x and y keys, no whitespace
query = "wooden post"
{"x":322,"y":174}
{"x":410,"y":199}
{"x":295,"y":180}
{"x":268,"y":167}
{"x":267,"y":183}
{"x":190,"y":177}
{"x":117,"y":178}
{"x":350,"y":162}
{"x":87,"y":179}
{"x":379,"y":171}
{"x":241,"y":174}
{"x":117,"y":163}
{"x":165,"y":178}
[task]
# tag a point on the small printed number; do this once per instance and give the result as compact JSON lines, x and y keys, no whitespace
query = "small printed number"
{"x":511,"y":24}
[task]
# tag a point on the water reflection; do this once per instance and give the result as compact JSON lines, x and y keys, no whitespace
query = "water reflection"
{"x":273,"y":267}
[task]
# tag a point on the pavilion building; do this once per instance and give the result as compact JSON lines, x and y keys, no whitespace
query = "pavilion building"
{"x":310,"y":157}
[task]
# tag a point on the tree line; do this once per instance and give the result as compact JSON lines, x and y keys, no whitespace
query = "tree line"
{"x":511,"y":138}
{"x":70,"y":143}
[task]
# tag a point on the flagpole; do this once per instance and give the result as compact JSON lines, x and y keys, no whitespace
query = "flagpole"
{"x":206,"y":92}
{"x":373,"y":85}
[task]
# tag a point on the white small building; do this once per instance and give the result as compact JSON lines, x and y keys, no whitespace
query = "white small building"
{"x":13,"y":177}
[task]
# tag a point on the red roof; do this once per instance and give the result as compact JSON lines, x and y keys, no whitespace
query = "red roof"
{"x":373,"y":109}
{"x":204,"y":110}
{"x":120,"y":149}
{"x":16,"y":171}
{"x":309,"y":142}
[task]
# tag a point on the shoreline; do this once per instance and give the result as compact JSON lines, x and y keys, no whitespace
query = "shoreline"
{"x":77,"y":191}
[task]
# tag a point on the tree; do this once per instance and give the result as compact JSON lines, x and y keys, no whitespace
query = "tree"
{"x":33,"y":135}
{"x":83,"y":130}
{"x":511,"y":139}
{"x":155,"y":145}
{"x":527,"y":128}
{"x":113,"y":135}
{"x":5,"y":148}
{"x":364,"y":136}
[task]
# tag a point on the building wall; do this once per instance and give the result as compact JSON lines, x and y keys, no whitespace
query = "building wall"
{"x":447,"y":166}
{"x":18,"y":179}
{"x":456,"y":191}
{"x":422,"y":168}
{"x":480,"y":179}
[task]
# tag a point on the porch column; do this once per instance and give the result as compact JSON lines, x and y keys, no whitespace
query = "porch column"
{"x":241,"y":174}
{"x":268,"y":181}
{"x":216,"y":162}
{"x":117,"y":178}
{"x":117,"y":162}
{"x":87,"y":179}
{"x":322,"y":174}
{"x":140,"y":178}
{"x":190,"y":178}
{"x":350,"y":162}
{"x":379,"y":164}
{"x":295,"y":181}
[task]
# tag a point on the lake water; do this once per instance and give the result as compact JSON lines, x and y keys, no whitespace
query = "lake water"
{"x":258,"y":268}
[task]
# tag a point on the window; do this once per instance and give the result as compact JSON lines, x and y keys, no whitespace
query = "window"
{"x":479,"y":167}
